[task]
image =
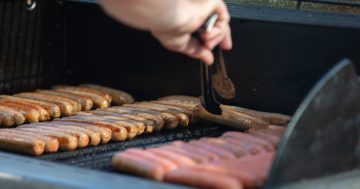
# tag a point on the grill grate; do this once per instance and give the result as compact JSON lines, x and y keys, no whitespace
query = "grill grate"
{"x":20,"y":59}
{"x":99,"y":157}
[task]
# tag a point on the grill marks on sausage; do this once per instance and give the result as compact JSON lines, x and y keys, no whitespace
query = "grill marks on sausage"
{"x":234,"y":160}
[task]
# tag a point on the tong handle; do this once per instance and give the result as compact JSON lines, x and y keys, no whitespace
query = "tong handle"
{"x":210,"y":103}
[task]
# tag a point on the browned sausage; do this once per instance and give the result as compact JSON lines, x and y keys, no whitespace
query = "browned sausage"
{"x":65,"y":106}
{"x":138,"y":166}
{"x":19,"y":143}
{"x":201,"y":179}
{"x":159,"y":122}
{"x":131,"y":128}
{"x":67,"y":142}
{"x":183,"y":118}
{"x":30,"y":114}
{"x":272,"y":118}
{"x":105,"y":133}
{"x":124,"y":121}
{"x":149,"y":124}
{"x":52,"y":109}
{"x":10,"y":117}
{"x":171,"y":121}
{"x":117,"y":133}
{"x":238,"y":121}
{"x":119,"y":97}
{"x":86,"y":103}
{"x":43,"y":114}
{"x":99,"y":101}
{"x":94,"y":136}
{"x":51,"y":144}
{"x":86,"y":90}
{"x":82,"y":138}
{"x":186,"y":111}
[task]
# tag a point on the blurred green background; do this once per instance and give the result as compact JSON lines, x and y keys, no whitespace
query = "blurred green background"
{"x":305,"y":5}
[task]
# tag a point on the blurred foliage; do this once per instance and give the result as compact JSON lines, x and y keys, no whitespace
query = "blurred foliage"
{"x":304,"y":5}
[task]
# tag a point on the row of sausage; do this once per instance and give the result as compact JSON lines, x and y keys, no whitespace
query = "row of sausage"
{"x":60,"y":101}
{"x":234,"y":160}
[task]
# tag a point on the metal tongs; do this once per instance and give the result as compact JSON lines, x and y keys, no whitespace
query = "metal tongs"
{"x":219,"y":80}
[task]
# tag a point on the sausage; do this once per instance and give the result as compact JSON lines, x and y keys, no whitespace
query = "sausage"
{"x":85,"y":90}
{"x":10,"y":117}
{"x":181,"y":99}
{"x":52,"y":109}
{"x":82,"y":138}
{"x":149,"y":124}
{"x":238,"y":152}
{"x":238,"y":121}
{"x":200,"y":179}
{"x":85,"y":103}
{"x":99,"y":101}
{"x":66,"y":142}
{"x":51,"y":144}
{"x":66,"y":108}
{"x":186,"y":111}
{"x":242,"y":136}
{"x":249,"y":147}
{"x":105,"y":133}
{"x":43,"y":114}
{"x":92,"y":135}
{"x":126,"y":122}
{"x":272,"y":118}
{"x":183,"y":118}
{"x":117,"y":133}
{"x":165,"y":163}
{"x":131,"y":129}
{"x":195,"y":149}
{"x":137,"y":165}
{"x":76,"y":106}
{"x":249,"y":180}
{"x":24,"y":144}
{"x":247,"y":164}
{"x":171,"y":121}
{"x":159,"y":122}
{"x":270,"y":138}
{"x":30,"y":114}
{"x":221,"y":152}
{"x":178,"y":159}
{"x":198,"y":158}
{"x":119,"y":97}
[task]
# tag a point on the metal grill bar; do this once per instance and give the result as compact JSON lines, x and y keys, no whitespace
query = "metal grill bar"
{"x":20,"y":54}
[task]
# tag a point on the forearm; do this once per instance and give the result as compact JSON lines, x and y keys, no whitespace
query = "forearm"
{"x":144,"y":14}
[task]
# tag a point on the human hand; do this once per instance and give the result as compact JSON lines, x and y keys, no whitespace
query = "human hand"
{"x":173,"y":22}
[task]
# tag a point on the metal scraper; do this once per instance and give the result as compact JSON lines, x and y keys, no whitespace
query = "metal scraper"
{"x":323,"y":133}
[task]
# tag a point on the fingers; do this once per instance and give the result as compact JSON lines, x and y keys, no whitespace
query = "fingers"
{"x":185,"y":44}
{"x":221,"y":33}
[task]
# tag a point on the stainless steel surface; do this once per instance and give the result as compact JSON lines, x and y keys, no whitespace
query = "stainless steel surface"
{"x":322,"y":136}
{"x":24,"y":172}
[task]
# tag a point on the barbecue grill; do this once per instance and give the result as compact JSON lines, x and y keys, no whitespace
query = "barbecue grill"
{"x":280,"y":50}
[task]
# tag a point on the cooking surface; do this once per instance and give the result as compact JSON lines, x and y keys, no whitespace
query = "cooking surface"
{"x":99,"y":157}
